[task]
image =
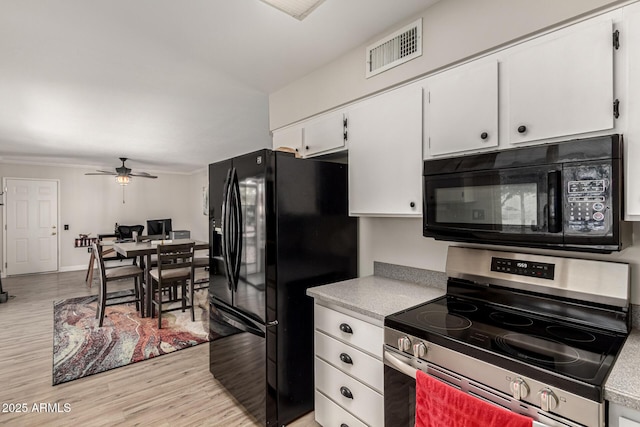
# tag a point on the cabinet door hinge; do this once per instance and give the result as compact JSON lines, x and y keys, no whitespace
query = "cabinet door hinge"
{"x":616,"y":108}
{"x":345,"y":128}
{"x":616,"y":39}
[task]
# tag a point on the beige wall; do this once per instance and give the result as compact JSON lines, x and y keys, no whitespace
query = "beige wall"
{"x":453,"y":30}
{"x":93,"y":204}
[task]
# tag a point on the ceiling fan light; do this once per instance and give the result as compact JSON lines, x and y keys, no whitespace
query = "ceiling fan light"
{"x":123,"y":179}
{"x":299,"y":9}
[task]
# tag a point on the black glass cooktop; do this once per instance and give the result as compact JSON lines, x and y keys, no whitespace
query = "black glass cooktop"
{"x":503,"y":336}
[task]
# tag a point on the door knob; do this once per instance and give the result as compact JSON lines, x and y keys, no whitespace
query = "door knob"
{"x":522,"y":129}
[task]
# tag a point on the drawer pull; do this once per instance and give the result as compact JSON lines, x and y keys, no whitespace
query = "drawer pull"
{"x":346,"y":392}
{"x":343,"y":425}
{"x":346,"y":328}
{"x":346,"y":358}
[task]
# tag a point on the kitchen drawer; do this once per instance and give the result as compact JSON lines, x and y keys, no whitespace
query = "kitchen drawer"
{"x":363,"y":335}
{"x":365,"y":403}
{"x":364,"y":367}
{"x":328,"y":414}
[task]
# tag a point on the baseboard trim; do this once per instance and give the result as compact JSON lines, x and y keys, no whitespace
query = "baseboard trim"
{"x":72,"y":268}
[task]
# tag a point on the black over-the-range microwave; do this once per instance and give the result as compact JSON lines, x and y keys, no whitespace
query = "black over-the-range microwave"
{"x":566,"y":195}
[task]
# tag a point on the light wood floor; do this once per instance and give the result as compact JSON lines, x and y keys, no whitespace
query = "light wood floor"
{"x":172,"y":390}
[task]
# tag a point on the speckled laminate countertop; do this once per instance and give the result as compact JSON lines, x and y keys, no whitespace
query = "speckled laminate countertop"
{"x":375,"y":296}
{"x":379,"y":296}
{"x":623,"y":385}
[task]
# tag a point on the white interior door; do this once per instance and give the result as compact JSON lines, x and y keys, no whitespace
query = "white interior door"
{"x":32,"y":226}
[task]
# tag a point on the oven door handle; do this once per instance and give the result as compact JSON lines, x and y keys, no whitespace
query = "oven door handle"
{"x":391,"y":359}
{"x":398,"y":364}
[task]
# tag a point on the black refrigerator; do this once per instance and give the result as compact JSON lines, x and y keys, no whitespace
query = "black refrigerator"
{"x":277,"y":226}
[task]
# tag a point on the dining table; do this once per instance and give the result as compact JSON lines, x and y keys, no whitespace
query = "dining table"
{"x":143,"y":250}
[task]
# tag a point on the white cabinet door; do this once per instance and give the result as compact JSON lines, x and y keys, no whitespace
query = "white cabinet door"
{"x":562,"y":84}
{"x":290,"y":137}
{"x":323,"y":134}
{"x":385,"y":154}
{"x":462,"y":109}
{"x":632,"y":105}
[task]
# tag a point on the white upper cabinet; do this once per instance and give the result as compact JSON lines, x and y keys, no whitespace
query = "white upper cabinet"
{"x":290,"y":137}
{"x":562,"y":84}
{"x":631,"y":45}
{"x":325,"y":133}
{"x":385,"y":154}
{"x":462,"y":109}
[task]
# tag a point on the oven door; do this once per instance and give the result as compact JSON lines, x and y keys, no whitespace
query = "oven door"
{"x":513,"y":205}
{"x":400,"y":392}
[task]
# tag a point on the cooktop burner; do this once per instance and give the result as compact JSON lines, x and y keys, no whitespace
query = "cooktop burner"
{"x":560,"y":348}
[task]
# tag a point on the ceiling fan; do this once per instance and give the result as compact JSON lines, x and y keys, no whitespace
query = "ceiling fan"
{"x":123,"y":174}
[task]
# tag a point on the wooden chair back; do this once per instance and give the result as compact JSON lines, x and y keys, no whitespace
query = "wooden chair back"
{"x":175,"y":256}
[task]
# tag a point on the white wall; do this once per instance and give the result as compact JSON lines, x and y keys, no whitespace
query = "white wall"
{"x":93,"y":204}
{"x":453,"y":30}
{"x":400,"y":241}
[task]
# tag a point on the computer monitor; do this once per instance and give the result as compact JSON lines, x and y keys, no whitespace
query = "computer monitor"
{"x":159,"y":227}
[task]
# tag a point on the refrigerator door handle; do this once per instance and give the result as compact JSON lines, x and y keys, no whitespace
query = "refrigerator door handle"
{"x":241,"y":322}
{"x":238,"y":231}
{"x":226,"y":217}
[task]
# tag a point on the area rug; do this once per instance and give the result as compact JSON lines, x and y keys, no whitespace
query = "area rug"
{"x":82,"y":348}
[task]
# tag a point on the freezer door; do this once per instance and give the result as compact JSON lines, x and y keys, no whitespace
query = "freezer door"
{"x":237,"y":359}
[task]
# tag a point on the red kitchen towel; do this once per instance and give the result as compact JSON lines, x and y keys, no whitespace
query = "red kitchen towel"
{"x":440,"y":405}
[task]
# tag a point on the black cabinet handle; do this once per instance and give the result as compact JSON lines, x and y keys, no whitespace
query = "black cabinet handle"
{"x":343,"y":425}
{"x":346,"y":358}
{"x":346,"y":328}
{"x":306,"y":147}
{"x":346,"y":392}
{"x":484,"y":135}
{"x":412,"y":204}
{"x":522,"y":129}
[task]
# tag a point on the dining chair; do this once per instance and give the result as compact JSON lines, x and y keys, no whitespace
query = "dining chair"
{"x":203,"y":283}
{"x":117,"y":273}
{"x":175,"y":267}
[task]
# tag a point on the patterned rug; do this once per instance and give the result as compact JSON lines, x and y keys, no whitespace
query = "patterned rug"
{"x":81,"y":348}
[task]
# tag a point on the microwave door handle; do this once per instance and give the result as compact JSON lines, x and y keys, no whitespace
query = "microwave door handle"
{"x":554,"y":202}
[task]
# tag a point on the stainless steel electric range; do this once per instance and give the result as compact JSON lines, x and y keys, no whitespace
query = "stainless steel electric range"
{"x":537,"y":335}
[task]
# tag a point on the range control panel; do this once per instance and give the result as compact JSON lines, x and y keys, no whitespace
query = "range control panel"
{"x":523,"y":268}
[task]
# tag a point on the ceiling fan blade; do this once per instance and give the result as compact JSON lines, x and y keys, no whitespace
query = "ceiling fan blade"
{"x":143,"y":175}
{"x":101,"y":173}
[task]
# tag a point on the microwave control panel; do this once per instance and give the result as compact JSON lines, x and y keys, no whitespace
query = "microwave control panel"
{"x":587,"y":199}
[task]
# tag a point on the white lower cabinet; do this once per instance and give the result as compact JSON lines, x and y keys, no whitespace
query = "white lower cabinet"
{"x":621,"y":416}
{"x":330,"y":414}
{"x":349,"y":372}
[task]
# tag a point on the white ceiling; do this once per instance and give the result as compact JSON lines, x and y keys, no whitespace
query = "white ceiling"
{"x":171,"y":84}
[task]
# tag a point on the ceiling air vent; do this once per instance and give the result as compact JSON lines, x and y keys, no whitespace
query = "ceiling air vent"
{"x":395,"y":49}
